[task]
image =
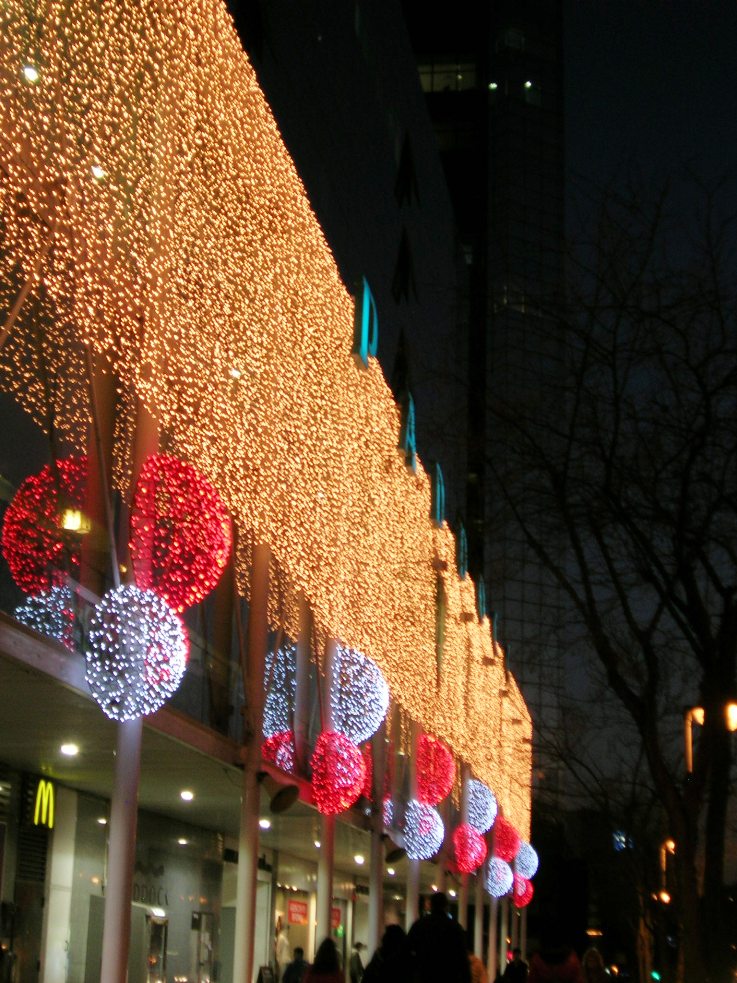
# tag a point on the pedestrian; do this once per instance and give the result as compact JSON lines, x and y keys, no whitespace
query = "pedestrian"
{"x":593,"y":966}
{"x":516,"y":969}
{"x":555,"y":962}
{"x":282,"y":948}
{"x":325,"y":968}
{"x":297,"y":968}
{"x":478,"y":970}
{"x":391,"y":963}
{"x":438,"y":945}
{"x":355,"y":964}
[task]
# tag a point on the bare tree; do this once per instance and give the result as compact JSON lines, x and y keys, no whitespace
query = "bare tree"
{"x":625,"y":489}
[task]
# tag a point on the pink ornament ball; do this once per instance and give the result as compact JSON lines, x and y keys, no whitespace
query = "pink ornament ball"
{"x":338,"y":773}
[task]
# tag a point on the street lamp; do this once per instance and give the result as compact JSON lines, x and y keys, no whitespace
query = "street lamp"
{"x":695,"y":715}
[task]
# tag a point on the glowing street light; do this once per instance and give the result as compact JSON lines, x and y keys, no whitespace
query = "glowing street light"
{"x":695,"y":715}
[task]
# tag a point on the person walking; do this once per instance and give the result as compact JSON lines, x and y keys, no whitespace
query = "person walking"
{"x":438,"y":945}
{"x":325,"y":968}
{"x":355,"y":964}
{"x":391,"y":963}
{"x":593,"y":966}
{"x":297,"y":968}
{"x":515,"y":970}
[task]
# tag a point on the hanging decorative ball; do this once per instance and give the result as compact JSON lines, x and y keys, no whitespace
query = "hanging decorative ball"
{"x":359,"y":696}
{"x":280,"y":682}
{"x":51,"y":613}
{"x":387,"y":813}
{"x":368,"y":783}
{"x":498,"y":877}
{"x":423,"y":830}
{"x":180,"y":534}
{"x":506,"y":840}
{"x":279,"y":750}
{"x":482,"y":806}
{"x":39,"y":550}
{"x":338,"y":773}
{"x":137,"y":652}
{"x":526,"y":861}
{"x":523,"y":891}
{"x":435,"y":770}
{"x":469,"y":847}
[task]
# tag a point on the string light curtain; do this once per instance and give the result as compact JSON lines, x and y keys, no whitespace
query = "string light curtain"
{"x":146,"y":178}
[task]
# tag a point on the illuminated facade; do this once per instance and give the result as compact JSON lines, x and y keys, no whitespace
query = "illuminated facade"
{"x":160,"y":260}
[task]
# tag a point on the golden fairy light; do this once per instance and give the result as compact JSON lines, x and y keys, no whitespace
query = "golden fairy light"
{"x":151,"y":212}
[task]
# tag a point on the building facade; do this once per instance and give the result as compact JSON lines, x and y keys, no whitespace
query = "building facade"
{"x":178,"y":340}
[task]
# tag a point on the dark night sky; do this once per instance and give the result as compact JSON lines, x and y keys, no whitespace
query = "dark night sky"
{"x":651,"y":84}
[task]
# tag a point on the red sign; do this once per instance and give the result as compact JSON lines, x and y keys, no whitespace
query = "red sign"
{"x":297,"y":912}
{"x":334,"y":918}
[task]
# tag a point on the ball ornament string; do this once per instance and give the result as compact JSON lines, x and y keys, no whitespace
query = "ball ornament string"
{"x":280,"y":682}
{"x":51,"y":613}
{"x":469,"y":847}
{"x":435,"y":770}
{"x":423,"y":830}
{"x":137,"y":652}
{"x":522,"y":891}
{"x":359,"y":696}
{"x":506,"y":840}
{"x":338,"y":773}
{"x":482,"y":806}
{"x":526,"y":861}
{"x":498,"y":877}
{"x":38,"y":550}
{"x":388,"y":812}
{"x":180,"y":535}
{"x":279,"y":750}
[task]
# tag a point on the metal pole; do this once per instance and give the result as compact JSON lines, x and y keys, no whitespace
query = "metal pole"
{"x":327,"y":836}
{"x":503,"y":932}
{"x":376,"y":881}
{"x":463,"y":896}
{"x":478,"y":920}
{"x":246,"y":884}
{"x":491,"y":962}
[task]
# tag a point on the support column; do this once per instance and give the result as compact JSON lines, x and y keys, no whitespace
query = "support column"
{"x":523,"y":933}
{"x":327,"y":833}
{"x":124,"y":801}
{"x":258,"y":627}
{"x":463,"y":894}
{"x":302,"y":696}
{"x":491,"y":960}
{"x":478,"y":920}
{"x":376,"y":874}
{"x":412,"y":912}
{"x":503,"y":932}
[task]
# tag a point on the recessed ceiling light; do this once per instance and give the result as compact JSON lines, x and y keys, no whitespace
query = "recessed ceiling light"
{"x":182,"y":841}
{"x":102,"y":820}
{"x":264,"y":823}
{"x":158,"y":912}
{"x":493,"y":86}
{"x":434,"y":887}
{"x":452,"y":893}
{"x":70,"y":750}
{"x":391,"y":871}
{"x":186,"y":795}
{"x":359,"y":858}
{"x":317,"y":844}
{"x":528,"y":84}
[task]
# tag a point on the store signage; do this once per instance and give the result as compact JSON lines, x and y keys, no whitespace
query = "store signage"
{"x":297,"y":913}
{"x":335,"y":918}
{"x":365,"y":325}
{"x":43,"y":812}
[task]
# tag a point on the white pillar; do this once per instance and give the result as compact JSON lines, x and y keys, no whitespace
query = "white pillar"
{"x":258,"y":627}
{"x":478,"y":920}
{"x":376,"y":874}
{"x":121,"y":853}
{"x":412,"y":912}
{"x":59,"y":885}
{"x":327,"y":835}
{"x":503,"y":932}
{"x":491,"y":961}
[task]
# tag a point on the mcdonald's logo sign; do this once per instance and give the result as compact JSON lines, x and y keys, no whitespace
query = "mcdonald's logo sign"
{"x":43,"y":813}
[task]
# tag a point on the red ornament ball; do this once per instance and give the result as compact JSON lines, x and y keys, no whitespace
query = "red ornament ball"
{"x":435,"y":770}
{"x":338,"y":773}
{"x":469,"y":847}
{"x":38,"y":551}
{"x":506,"y":840}
{"x":279,"y":750}
{"x":180,"y":536}
{"x":522,"y":891}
